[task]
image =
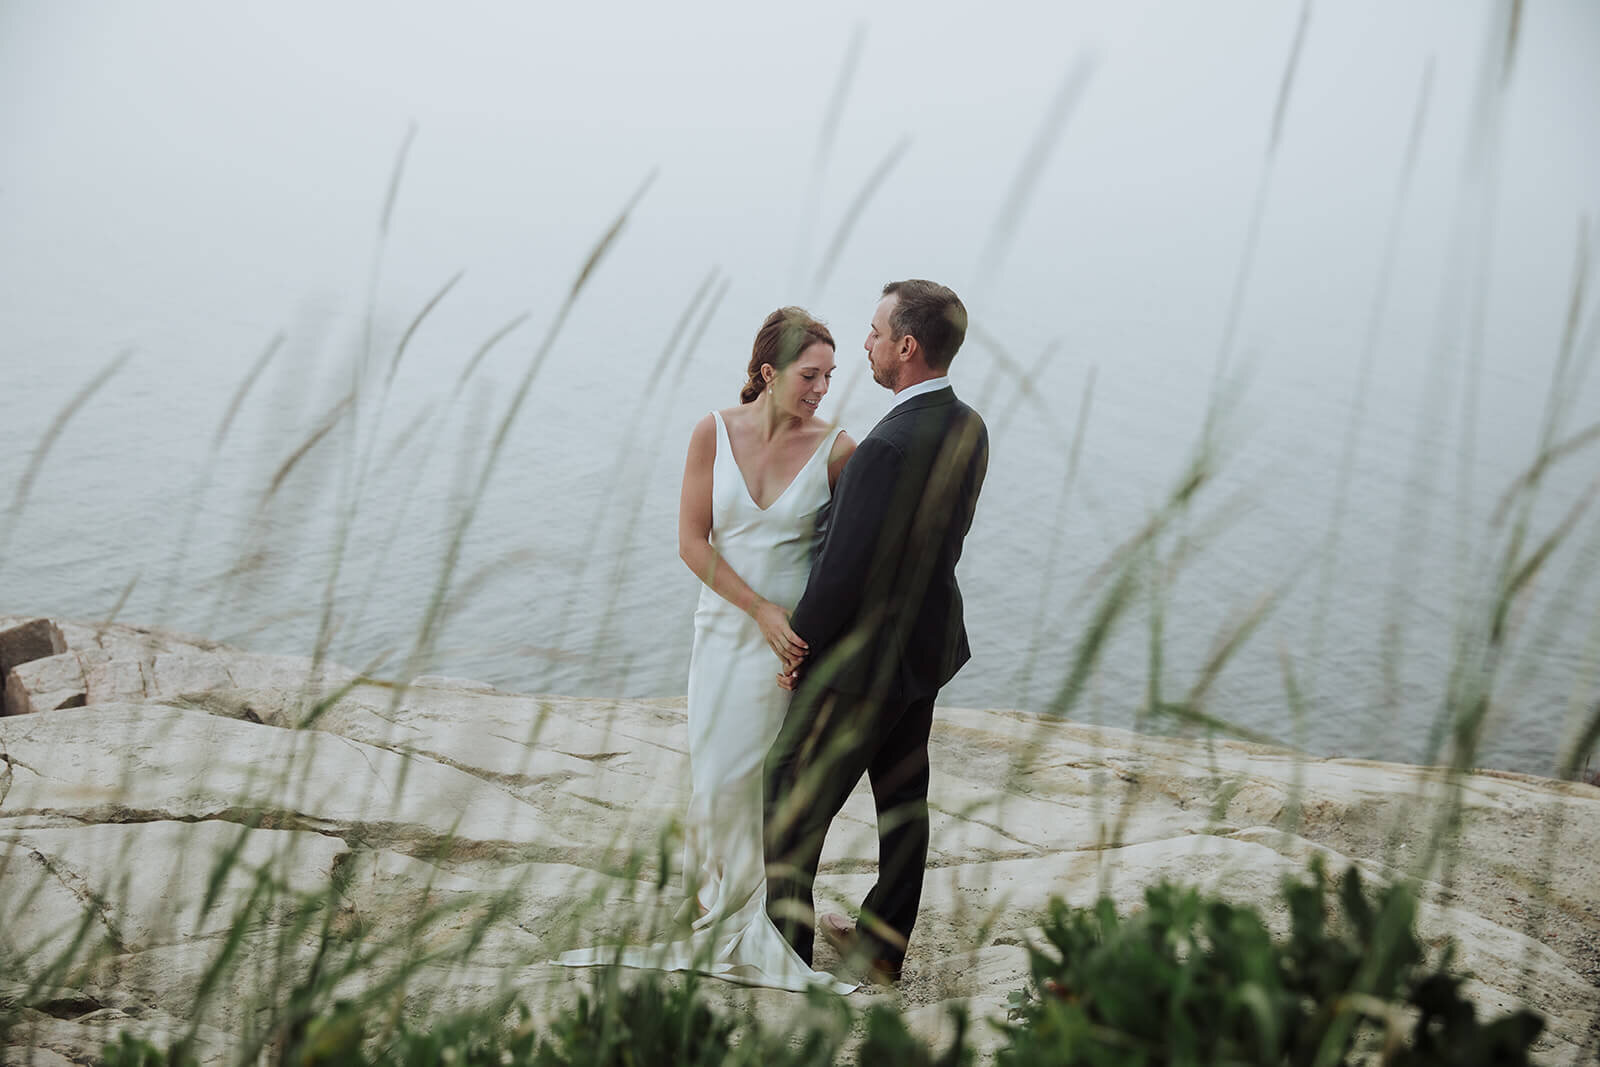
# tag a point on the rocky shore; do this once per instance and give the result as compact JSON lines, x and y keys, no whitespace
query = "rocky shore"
{"x":132,"y":759}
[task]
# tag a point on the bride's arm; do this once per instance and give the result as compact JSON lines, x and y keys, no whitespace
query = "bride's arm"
{"x":696,"y":550}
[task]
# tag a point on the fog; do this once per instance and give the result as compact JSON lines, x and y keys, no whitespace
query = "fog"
{"x":1141,"y":203}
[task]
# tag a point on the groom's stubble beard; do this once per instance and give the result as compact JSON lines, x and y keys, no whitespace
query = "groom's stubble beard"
{"x":888,"y":377}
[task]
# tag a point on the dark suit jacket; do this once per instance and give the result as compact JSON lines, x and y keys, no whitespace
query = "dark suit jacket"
{"x":881,"y":611}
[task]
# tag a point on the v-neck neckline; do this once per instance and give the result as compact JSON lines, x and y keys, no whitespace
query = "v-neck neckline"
{"x":745,"y":481}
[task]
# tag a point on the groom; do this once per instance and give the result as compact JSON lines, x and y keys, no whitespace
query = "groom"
{"x":881,"y":618}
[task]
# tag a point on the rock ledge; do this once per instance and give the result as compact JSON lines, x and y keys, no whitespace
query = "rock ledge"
{"x":132,"y":759}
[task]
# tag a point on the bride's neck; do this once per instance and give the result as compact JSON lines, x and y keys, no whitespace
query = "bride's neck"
{"x":770,"y":419}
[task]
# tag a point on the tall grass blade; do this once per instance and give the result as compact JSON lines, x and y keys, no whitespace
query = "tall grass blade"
{"x":1230,"y":644}
{"x":672,"y":360}
{"x":1372,"y":336}
{"x":1587,"y":344}
{"x":604,"y":245}
{"x":1460,"y":309}
{"x":432,"y":617}
{"x":222,"y":963}
{"x":1193,"y":715}
{"x":180,"y":552}
{"x":225,"y":863}
{"x":375,"y":270}
{"x":1008,"y":366}
{"x":1286,"y":84}
{"x":416,"y":323}
{"x":1027,"y":392}
{"x":1087,"y":654}
{"x":833,"y":116}
{"x":852,"y":214}
{"x":122,"y":600}
{"x":1584,"y":744}
{"x":827,"y":134}
{"x":357,"y":460}
{"x":1058,"y":530}
{"x":396,"y":176}
{"x":1524,"y":573}
{"x":329,"y":422}
{"x":635,"y":516}
{"x":484,"y":349}
{"x":1156,"y":644}
{"x":1258,"y":209}
{"x":251,"y":377}
{"x":1513,"y":35}
{"x":51,"y":434}
{"x":1294,"y":696}
{"x":1373,"y":333}
{"x":407,"y":436}
{"x":1483,"y":174}
{"x":1562,"y":384}
{"x":1026,"y":179}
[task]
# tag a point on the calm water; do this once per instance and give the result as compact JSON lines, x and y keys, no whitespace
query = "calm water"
{"x":1367,"y":422}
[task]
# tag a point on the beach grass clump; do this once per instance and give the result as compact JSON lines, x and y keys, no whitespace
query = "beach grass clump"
{"x":1195,"y":979}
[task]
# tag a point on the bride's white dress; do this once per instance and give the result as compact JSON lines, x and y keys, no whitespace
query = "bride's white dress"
{"x":735,"y":711}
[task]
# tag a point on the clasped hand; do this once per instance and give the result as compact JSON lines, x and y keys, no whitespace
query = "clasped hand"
{"x":789,"y":647}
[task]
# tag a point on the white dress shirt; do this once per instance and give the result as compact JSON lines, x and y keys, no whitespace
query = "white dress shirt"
{"x":932,"y":384}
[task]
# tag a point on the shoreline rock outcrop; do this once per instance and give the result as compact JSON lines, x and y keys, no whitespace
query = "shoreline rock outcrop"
{"x":462,"y":836}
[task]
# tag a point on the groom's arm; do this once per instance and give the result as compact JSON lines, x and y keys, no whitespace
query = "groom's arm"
{"x":861,"y":504}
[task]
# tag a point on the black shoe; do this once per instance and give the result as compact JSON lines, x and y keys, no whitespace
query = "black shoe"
{"x":841,"y":934}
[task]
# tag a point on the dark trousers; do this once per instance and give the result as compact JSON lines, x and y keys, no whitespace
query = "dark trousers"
{"x":826,"y":744}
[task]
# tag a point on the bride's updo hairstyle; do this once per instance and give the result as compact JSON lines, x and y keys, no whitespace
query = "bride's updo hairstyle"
{"x":785,"y":334}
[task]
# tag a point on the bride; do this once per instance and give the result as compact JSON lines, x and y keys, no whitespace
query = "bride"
{"x":756,"y":480}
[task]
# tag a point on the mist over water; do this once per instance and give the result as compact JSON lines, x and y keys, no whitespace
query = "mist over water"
{"x":187,"y":183}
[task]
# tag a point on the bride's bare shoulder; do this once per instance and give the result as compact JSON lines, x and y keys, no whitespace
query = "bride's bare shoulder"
{"x":703,"y":438}
{"x":706,"y":425}
{"x":843,"y":446}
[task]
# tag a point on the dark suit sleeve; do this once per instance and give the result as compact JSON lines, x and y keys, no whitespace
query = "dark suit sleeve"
{"x":839,"y":576}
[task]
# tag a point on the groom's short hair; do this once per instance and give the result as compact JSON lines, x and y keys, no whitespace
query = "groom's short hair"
{"x":933,"y":314}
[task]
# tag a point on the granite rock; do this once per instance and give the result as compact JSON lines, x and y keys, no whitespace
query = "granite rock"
{"x":27,"y":641}
{"x":461,"y":836}
{"x":46,"y":684}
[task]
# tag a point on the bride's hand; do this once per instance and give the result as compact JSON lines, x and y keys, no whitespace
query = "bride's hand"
{"x":774,"y":623}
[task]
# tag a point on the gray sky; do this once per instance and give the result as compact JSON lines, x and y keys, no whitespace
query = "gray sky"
{"x":263,"y":132}
{"x":238,"y":152}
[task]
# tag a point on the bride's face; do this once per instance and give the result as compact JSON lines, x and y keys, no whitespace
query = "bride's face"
{"x":799,"y":389}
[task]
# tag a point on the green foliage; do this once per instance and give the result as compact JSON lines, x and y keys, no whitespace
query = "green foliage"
{"x":888,"y":1041}
{"x":130,"y":1051}
{"x":475,"y":1040}
{"x":1190,"y":980}
{"x":657,"y":1020}
{"x":1448,"y":1030}
{"x":1197,"y":980}
{"x":648,"y":1023}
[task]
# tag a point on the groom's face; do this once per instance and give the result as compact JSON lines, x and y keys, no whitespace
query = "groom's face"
{"x":883,"y":348}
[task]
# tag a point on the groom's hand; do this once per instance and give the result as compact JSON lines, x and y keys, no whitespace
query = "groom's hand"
{"x":789,"y":679}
